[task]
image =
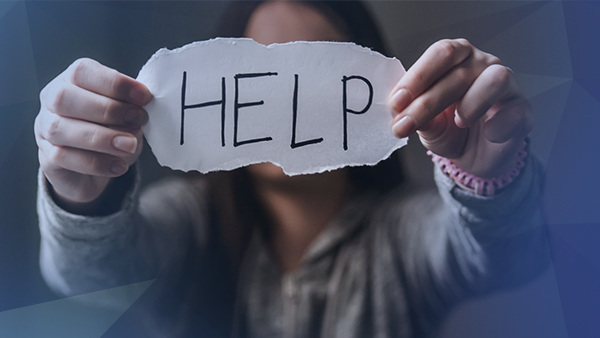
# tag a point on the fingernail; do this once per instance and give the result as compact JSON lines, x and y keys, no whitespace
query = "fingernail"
{"x":117,"y":167}
{"x":125,"y":143}
{"x":400,"y":100}
{"x":404,"y":127}
{"x":133,"y":117}
{"x":459,"y":122}
{"x":139,"y":96}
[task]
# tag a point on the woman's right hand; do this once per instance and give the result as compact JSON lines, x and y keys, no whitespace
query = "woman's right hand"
{"x":88,"y":129}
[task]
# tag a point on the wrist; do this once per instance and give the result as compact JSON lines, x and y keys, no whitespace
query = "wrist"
{"x":107,"y":202}
{"x":87,"y":207}
{"x":479,"y":185}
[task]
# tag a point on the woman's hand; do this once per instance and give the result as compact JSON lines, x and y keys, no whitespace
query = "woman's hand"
{"x":88,"y":129}
{"x":465,"y":105}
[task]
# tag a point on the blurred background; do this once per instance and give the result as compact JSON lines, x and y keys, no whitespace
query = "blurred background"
{"x":553,"y":47}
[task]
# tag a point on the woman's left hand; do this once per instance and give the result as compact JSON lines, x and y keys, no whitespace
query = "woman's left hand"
{"x":465,"y":105}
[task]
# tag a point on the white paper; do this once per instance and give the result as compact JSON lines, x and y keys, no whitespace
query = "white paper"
{"x":264,"y":131}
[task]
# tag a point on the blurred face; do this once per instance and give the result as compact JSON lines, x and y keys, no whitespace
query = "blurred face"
{"x":280,"y":22}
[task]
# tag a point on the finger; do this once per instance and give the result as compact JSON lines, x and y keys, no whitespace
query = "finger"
{"x":139,"y":135}
{"x":449,"y":89}
{"x":64,"y":131}
{"x":514,"y":120}
{"x":80,"y":161}
{"x":93,"y":76}
{"x":442,"y":136}
{"x":496,"y":82}
{"x":437,"y":60}
{"x":68,"y":100}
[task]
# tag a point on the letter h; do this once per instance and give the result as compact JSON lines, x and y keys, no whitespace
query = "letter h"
{"x":200,"y":105}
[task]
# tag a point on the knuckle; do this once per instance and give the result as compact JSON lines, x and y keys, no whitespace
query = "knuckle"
{"x":501,"y":76}
{"x":47,"y":94}
{"x":56,"y":99}
{"x":463,"y":77}
{"x":36,"y":124}
{"x":446,"y":50}
{"x":43,"y":94}
{"x":95,"y":164}
{"x":38,"y":127}
{"x":117,"y":83}
{"x":95,"y":138}
{"x":108,"y":111}
{"x":79,"y":69}
{"x":83,"y":60}
{"x":425,"y":106}
{"x":461,"y":74}
{"x":57,"y":154}
{"x":42,"y":159}
{"x":53,"y":128}
{"x":464,"y":42}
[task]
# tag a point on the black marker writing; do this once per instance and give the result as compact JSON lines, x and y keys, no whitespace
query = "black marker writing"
{"x":237,"y":106}
{"x":295,"y":145}
{"x":200,"y":105}
{"x":346,"y":110}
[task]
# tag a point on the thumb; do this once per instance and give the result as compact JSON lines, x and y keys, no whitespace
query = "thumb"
{"x":442,"y":136}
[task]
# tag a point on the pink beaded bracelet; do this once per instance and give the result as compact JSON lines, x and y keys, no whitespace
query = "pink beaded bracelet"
{"x":478,"y":185}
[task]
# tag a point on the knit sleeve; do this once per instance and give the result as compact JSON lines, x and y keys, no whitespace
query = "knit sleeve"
{"x":153,"y":229}
{"x":453,"y":244}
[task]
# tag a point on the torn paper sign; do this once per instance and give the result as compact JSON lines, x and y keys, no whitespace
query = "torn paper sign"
{"x":304,"y":106}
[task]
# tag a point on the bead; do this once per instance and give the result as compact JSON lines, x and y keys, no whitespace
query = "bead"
{"x":478,"y":185}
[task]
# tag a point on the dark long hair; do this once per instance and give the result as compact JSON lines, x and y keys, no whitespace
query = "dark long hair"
{"x":236,"y":209}
{"x":233,"y":193}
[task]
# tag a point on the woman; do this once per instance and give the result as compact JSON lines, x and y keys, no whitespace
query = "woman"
{"x":254,"y":253}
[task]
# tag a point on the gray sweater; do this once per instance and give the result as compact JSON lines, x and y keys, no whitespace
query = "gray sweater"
{"x":391,"y":266}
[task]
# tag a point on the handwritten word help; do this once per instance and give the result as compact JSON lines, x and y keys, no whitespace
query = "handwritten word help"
{"x":304,"y":106}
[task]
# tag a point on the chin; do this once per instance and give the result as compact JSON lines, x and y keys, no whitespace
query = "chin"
{"x":272,"y":176}
{"x":267,"y":171}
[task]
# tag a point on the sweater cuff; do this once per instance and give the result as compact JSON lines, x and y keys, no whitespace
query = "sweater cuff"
{"x":60,"y":222}
{"x":510,"y":206}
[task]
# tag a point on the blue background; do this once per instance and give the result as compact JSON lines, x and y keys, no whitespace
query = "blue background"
{"x":553,"y":47}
